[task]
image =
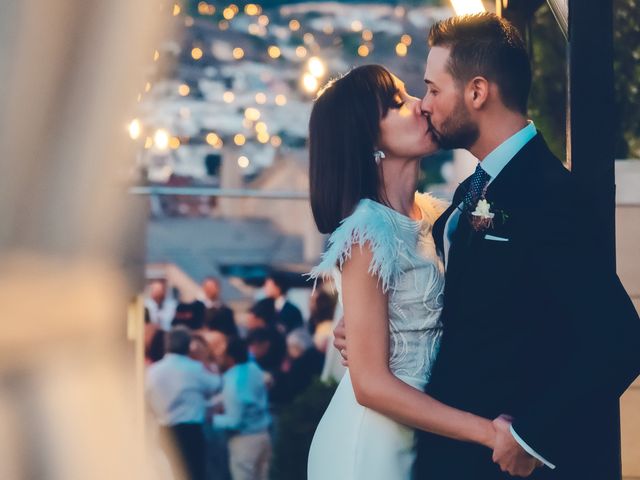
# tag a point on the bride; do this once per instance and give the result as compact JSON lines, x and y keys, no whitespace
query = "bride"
{"x":367,"y":136}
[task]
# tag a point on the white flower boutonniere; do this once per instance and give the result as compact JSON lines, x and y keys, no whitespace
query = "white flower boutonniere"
{"x":482,"y":216}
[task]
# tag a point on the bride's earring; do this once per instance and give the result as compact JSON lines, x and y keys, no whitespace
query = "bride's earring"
{"x":378,"y":155}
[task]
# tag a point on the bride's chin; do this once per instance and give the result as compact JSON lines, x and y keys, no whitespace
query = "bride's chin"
{"x":430,"y":149}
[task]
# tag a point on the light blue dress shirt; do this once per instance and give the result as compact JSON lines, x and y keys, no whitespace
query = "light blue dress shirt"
{"x":493,"y":164}
{"x":178,"y":389}
{"x":245,"y":400}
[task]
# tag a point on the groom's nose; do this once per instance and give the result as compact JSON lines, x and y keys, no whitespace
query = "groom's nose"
{"x":425,"y":106}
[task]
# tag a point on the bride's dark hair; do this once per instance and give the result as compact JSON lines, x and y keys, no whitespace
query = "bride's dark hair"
{"x":343,"y":130}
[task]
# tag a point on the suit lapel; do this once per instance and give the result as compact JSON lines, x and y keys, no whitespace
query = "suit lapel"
{"x":441,"y":222}
{"x":438,"y":229}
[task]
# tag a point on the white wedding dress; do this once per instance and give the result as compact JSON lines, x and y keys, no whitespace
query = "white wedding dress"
{"x":353,"y":442}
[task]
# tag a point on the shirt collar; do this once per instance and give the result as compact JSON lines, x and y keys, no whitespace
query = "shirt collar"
{"x":503,"y":153}
{"x":279,"y":303}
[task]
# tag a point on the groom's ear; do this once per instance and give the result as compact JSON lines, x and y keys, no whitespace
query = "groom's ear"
{"x":478,"y":92}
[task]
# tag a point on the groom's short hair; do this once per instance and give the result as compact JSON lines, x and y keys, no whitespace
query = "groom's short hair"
{"x":488,"y":46}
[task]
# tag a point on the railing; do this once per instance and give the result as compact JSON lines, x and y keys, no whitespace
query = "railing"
{"x":219,"y":192}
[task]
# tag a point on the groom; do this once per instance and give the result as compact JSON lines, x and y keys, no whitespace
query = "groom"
{"x":537,"y":326}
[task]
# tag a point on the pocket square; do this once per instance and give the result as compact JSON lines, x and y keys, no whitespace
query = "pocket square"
{"x":496,"y":239}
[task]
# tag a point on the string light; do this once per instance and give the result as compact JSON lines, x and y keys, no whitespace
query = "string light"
{"x":363,"y":50}
{"x":273,"y":51}
{"x":174,"y":143}
{"x":197,"y":53}
{"x":243,"y":162}
{"x":310,"y":83}
{"x":176,"y":9}
{"x":327,"y":29}
{"x":261,"y":98}
{"x":251,"y":9}
{"x":148,"y":143}
{"x":161,"y":139}
{"x":281,"y":100}
{"x":316,"y":67}
{"x":252,"y":114}
{"x":147,"y":87}
{"x":263,"y":20}
{"x":228,"y":97}
{"x":239,"y":139}
{"x":212,"y":139}
{"x":263,"y":137}
{"x":294,"y":25}
{"x":301,"y":52}
{"x":156,"y":55}
{"x":135,"y":129}
{"x":223,"y":25}
{"x":276,"y":141}
{"x":308,"y":38}
{"x":228,"y":13}
{"x":401,"y":50}
{"x":261,"y":127}
{"x":205,"y":9}
{"x":184,"y":90}
{"x":238,"y":53}
{"x":406,"y":39}
{"x":356,"y":25}
{"x":367,"y":35}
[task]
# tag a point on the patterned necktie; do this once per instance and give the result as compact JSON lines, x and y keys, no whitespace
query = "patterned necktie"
{"x":477,"y":184}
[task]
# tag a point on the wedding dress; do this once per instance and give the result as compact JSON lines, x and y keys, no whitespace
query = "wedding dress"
{"x":353,"y":442}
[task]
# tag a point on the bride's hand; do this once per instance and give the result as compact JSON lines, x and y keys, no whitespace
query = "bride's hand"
{"x":340,"y":341}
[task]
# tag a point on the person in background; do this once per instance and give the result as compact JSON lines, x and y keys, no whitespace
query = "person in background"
{"x":199,"y":351}
{"x":154,"y":340}
{"x":217,"y":315}
{"x":161,"y":309}
{"x":246,"y":414}
{"x":288,"y":316}
{"x":190,"y":315}
{"x":216,"y":440}
{"x":322,"y":306}
{"x":305,"y":363}
{"x":178,"y":389}
{"x":267,"y":345}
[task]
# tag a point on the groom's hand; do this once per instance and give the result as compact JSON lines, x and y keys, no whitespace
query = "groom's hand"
{"x":508,"y":453}
{"x":340,"y":341}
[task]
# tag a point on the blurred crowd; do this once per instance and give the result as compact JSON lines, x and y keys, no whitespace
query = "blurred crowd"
{"x":216,"y":386}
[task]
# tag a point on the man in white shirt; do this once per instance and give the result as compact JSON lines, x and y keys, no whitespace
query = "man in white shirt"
{"x":178,"y":390}
{"x":161,"y":309}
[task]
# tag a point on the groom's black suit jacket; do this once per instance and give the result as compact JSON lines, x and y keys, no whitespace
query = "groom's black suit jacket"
{"x":538,"y":327}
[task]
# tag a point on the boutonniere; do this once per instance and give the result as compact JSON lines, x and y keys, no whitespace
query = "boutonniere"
{"x":485,"y":216}
{"x":482,"y":217}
